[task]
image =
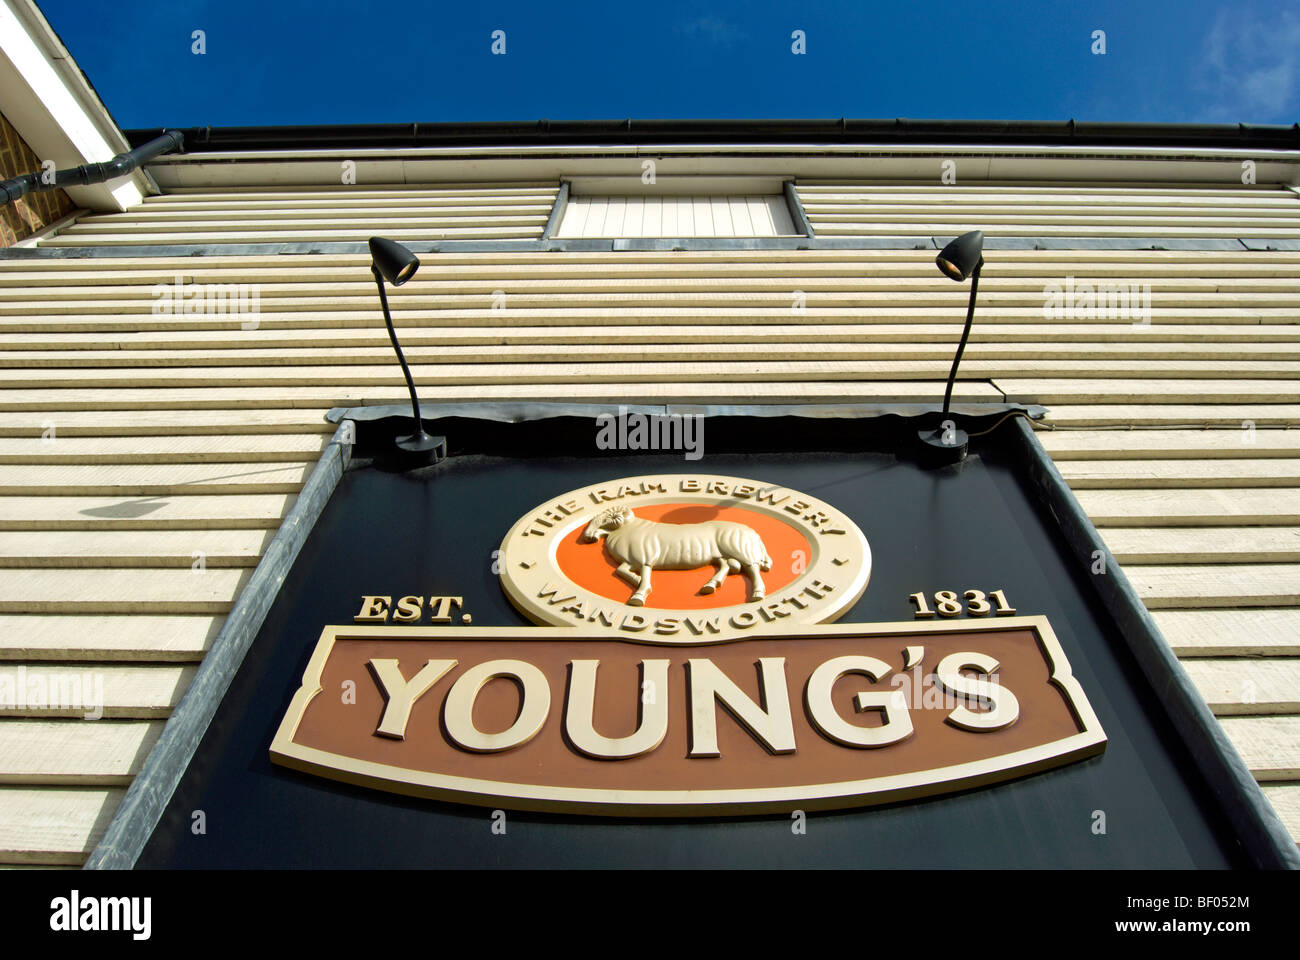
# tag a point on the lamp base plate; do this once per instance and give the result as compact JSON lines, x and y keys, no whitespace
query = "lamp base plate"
{"x":940,"y":447}
{"x":423,"y":446}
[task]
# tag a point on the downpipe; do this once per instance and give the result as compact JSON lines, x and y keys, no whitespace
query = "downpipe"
{"x":91,"y":173}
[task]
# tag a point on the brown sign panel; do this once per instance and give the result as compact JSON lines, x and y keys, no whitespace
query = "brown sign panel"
{"x":567,"y":720}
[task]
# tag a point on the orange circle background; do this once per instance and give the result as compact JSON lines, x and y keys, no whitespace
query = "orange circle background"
{"x":590,"y":567}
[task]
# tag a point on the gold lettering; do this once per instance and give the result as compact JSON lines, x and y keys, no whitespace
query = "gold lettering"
{"x":458,"y":710}
{"x":770,"y":724}
{"x":401,"y":693}
{"x":892,"y":703}
{"x":652,"y":725}
{"x":697,"y":627}
{"x":818,"y":589}
{"x":1004,"y":708}
{"x":373,"y":608}
{"x":442,"y":612}
{"x":548,"y":593}
{"x":408,"y":608}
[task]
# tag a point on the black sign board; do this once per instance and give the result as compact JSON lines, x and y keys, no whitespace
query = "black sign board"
{"x":978,"y":525}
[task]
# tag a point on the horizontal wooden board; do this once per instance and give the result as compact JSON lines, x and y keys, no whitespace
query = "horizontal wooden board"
{"x":190,"y":549}
{"x":1024,"y":188}
{"x":1248,"y":357}
{"x":151,"y":480}
{"x":192,"y":449}
{"x":788,"y":294}
{"x":1183,"y":508}
{"x":54,"y":825}
{"x":484,"y":231}
{"x":92,"y":590}
{"x":107,"y":637}
{"x":1169,"y":545}
{"x":1248,"y":339}
{"x":246,"y":512}
{"x":1285,"y":798}
{"x":1165,"y":474}
{"x":1240,"y":228}
{"x":1113,"y":391}
{"x":1256,"y":379}
{"x":1074,"y":210}
{"x":93,"y":691}
{"x":1271,"y":632}
{"x":277,"y":221}
{"x":1248,"y":686}
{"x":1168,"y":416}
{"x":320,"y":399}
{"x":93,"y":317}
{"x":1247,"y":441}
{"x":62,"y":424}
{"x":63,"y":752}
{"x":1269,"y":745}
{"x":1217,"y":585}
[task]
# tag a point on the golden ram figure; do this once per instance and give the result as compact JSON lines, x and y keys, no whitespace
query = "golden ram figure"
{"x":640,"y":545}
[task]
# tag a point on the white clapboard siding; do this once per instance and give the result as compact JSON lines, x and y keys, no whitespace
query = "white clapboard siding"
{"x":1260,"y":632}
{"x":92,"y":691}
{"x":1256,"y":687}
{"x":121,"y":590}
{"x":74,"y":751}
{"x":1269,"y":745}
{"x":1205,"y":545}
{"x":147,"y":455}
{"x":1132,"y":474}
{"x":1217,"y":585}
{"x":861,"y":209}
{"x":676,"y":216}
{"x":54,"y":825}
{"x":133,"y":548}
{"x":489,"y":211}
{"x":1201,"y":416}
{"x":1285,"y":798}
{"x":122,"y":637}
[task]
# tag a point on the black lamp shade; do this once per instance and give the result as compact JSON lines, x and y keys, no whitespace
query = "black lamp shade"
{"x":959,"y":259}
{"x":394,"y":262}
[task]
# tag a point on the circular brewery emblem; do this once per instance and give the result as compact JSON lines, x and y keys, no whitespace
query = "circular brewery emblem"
{"x":684,"y":558}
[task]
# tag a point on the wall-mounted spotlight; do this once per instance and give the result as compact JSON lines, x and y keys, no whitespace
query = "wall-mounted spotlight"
{"x":961,"y":259}
{"x":393,"y":262}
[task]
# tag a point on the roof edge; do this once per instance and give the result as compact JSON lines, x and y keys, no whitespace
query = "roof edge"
{"x":54,"y":108}
{"x":639,"y":132}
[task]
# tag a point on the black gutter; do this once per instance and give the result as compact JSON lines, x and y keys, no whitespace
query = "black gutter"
{"x":119,"y":166}
{"x":842,"y":131}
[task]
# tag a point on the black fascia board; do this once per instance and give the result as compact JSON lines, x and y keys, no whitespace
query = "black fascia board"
{"x":629,"y":131}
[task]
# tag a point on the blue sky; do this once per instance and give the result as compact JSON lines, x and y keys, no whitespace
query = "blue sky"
{"x":369,"y":61}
